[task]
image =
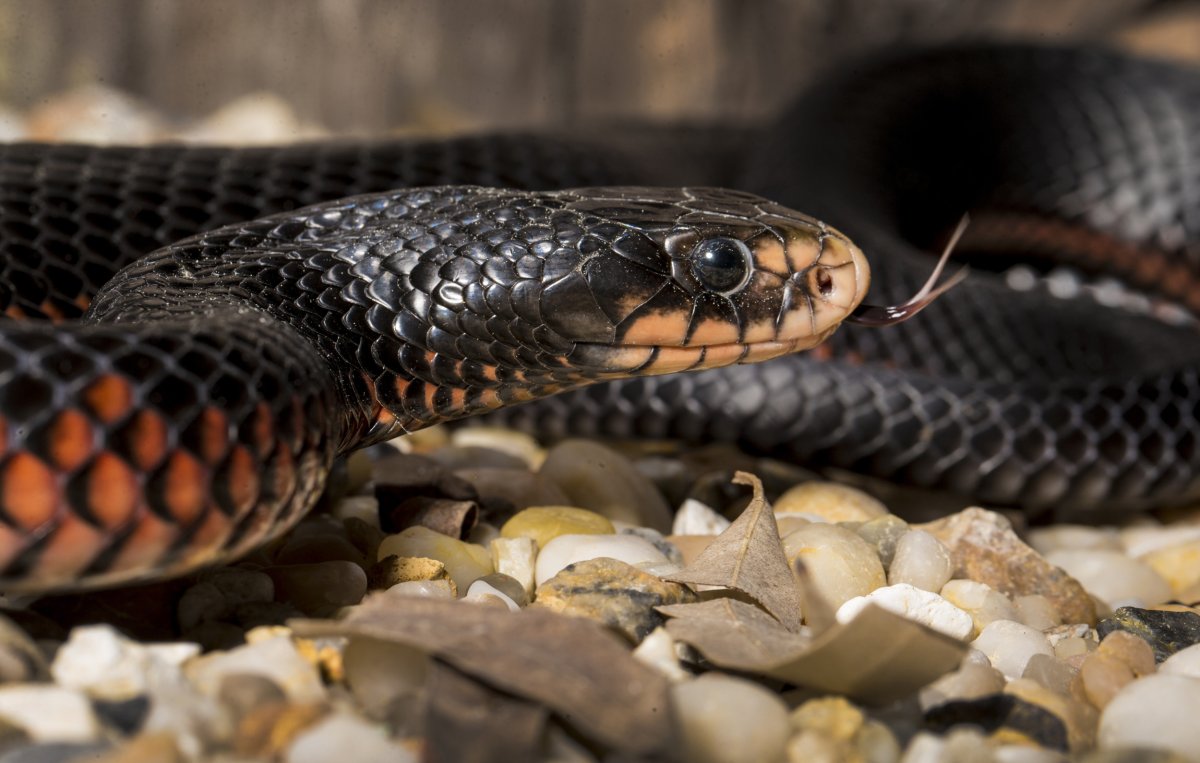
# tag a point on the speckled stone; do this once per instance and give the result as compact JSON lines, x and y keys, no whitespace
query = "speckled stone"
{"x":571,"y":549}
{"x":1166,"y":632}
{"x":613,"y":593}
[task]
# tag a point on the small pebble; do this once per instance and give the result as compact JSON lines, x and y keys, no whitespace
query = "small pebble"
{"x":983,"y":604}
{"x":569,"y":549}
{"x":545,"y":523}
{"x":611,"y":592}
{"x":884,"y":533}
{"x":1178,"y":564}
{"x":1155,"y":712}
{"x":517,"y":558}
{"x":1050,"y":672}
{"x":506,"y":491}
{"x":489,"y":587}
{"x":1009,"y":645}
{"x":1076,"y":537}
{"x":437,"y":589}
{"x":1113,"y":577}
{"x":1185,"y":662}
{"x":696,"y":518}
{"x":383,"y":675}
{"x":99,"y":660}
{"x":275,"y":658}
{"x":658,"y":650}
{"x":970,"y":681}
{"x":320,"y":589}
{"x":830,"y":501}
{"x":1037,"y":611}
{"x":49,"y":713}
{"x":331,"y":739}
{"x":20,"y":658}
{"x":600,"y":479}
{"x":464,"y":561}
{"x":1167,"y":632}
{"x":362,"y":508}
{"x":723,"y":719}
{"x":920,"y":560}
{"x":839,"y":563}
{"x":402,"y":569}
{"x":517,"y":444}
{"x":914,"y":603}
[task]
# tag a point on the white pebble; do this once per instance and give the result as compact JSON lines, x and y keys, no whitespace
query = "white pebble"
{"x":1037,"y":611}
{"x":49,"y":713}
{"x":1158,"y":712}
{"x":914,"y":603}
{"x":1009,"y":645}
{"x":565,"y":550}
{"x":1113,"y":577}
{"x":658,"y":651}
{"x":341,"y":733}
{"x":723,"y":719}
{"x":696,"y":518}
{"x":105,"y":664}
{"x":921,"y":560}
{"x":516,"y":557}
{"x":1185,"y":662}
{"x":1140,"y":540}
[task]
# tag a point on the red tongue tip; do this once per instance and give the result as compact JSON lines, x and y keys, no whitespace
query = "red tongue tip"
{"x":890,"y":315}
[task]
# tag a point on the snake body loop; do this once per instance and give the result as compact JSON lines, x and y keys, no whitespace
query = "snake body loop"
{"x":168,"y":402}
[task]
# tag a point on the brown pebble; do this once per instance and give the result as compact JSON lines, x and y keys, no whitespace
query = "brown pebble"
{"x":444,"y":515}
{"x":319,"y":590}
{"x":1131,"y":650}
{"x":1102,"y":676}
{"x":318,"y":548}
{"x":366,"y":537}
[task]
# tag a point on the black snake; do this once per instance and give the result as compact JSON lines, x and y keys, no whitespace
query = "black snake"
{"x":195,"y":408}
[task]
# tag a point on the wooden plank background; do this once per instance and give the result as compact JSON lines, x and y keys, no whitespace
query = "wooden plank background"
{"x":371,"y":65}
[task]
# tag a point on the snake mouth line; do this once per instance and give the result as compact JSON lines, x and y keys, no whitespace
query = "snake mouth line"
{"x":651,"y":360}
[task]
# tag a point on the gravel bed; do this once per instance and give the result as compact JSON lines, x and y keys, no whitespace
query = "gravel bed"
{"x":476,"y":596}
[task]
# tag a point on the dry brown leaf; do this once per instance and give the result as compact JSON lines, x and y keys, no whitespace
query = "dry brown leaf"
{"x":575,"y":667}
{"x":878,"y":657}
{"x":467,"y":721}
{"x":733,"y":634}
{"x":748,"y":557}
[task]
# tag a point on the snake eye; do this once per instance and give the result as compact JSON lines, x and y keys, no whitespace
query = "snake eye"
{"x":721,"y":264}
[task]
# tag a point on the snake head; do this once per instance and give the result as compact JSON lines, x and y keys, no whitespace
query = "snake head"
{"x":672,"y":280}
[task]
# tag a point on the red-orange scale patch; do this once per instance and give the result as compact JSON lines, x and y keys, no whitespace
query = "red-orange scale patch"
{"x":113,"y":492}
{"x":108,"y":398}
{"x":71,"y":440}
{"x":28,"y":491}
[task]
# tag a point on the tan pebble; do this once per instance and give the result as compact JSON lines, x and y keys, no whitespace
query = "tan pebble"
{"x":1102,"y":676}
{"x":839,"y":564}
{"x":464,"y":561}
{"x":545,"y":523}
{"x":1059,"y":536}
{"x":790,"y":523}
{"x":658,"y":650}
{"x":884,"y":533}
{"x":1131,"y":650}
{"x":1178,"y":565}
{"x":400,"y":569}
{"x":813,"y":747}
{"x":920,"y":560}
{"x":970,"y":681}
{"x":831,"y":501}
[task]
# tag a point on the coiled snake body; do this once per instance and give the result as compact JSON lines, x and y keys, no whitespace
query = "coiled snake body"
{"x":196,"y":408}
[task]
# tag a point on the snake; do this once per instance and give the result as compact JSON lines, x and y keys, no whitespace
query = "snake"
{"x":192,"y":335}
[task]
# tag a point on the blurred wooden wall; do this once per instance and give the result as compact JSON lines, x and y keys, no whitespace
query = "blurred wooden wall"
{"x":435,"y":64}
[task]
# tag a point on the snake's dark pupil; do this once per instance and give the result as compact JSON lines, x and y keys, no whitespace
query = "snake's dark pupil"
{"x":720,"y":264}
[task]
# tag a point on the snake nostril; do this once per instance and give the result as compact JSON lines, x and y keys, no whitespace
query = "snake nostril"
{"x":823,"y":282}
